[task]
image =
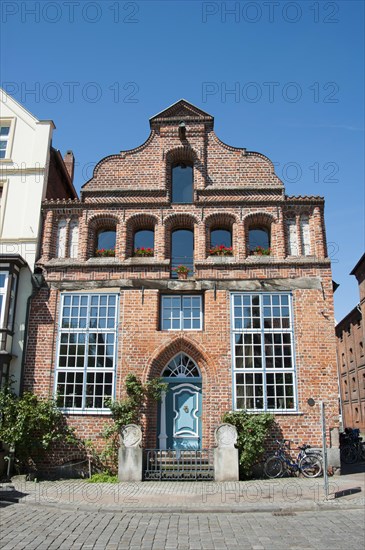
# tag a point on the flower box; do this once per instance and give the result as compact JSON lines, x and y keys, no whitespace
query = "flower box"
{"x":260,"y":251}
{"x":143,"y":252}
{"x":221,"y":250}
{"x":105,"y":253}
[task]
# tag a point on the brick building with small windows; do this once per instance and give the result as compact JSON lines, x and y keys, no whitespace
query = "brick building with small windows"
{"x":350,"y":334}
{"x":251,"y":325}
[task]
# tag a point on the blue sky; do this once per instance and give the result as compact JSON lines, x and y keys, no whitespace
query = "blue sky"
{"x":282,"y":78}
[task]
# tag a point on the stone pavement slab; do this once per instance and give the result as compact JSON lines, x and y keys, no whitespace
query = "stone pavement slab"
{"x":41,"y":528}
{"x":292,"y":493}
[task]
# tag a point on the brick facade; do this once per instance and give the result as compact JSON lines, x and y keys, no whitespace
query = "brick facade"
{"x":350,"y":334}
{"x":233,"y":189}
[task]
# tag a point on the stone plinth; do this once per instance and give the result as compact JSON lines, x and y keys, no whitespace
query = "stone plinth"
{"x":226,"y":462}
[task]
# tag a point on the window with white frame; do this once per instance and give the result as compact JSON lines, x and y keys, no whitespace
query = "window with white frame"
{"x":5,"y":138}
{"x":4,"y":277}
{"x":181,"y":313}
{"x":87,"y":347}
{"x":262,"y":351}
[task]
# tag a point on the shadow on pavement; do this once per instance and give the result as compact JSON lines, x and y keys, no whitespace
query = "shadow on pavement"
{"x":9,"y":495}
{"x":357,"y":468}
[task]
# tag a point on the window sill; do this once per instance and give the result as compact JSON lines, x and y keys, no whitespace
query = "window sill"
{"x":145,"y":260}
{"x":273,"y":412}
{"x":221,"y":259}
{"x":167,"y":330}
{"x":86,"y":412}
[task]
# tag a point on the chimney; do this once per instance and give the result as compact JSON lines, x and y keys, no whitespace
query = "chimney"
{"x":69,"y":161}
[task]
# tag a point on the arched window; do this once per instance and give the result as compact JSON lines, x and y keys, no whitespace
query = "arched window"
{"x":181,"y":366}
{"x":73,"y":243}
{"x":143,"y":242}
{"x":105,"y":242}
{"x":61,"y":239}
{"x":182,"y":183}
{"x":182,"y":250}
{"x":259,"y":240}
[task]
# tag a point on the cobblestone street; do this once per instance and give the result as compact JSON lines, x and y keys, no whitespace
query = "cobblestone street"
{"x":36,"y":527}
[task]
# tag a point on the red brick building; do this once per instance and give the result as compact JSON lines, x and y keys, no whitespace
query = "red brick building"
{"x":350,"y":334}
{"x":250,"y":328}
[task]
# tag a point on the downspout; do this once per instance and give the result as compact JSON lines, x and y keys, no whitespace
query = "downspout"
{"x":35,"y":288}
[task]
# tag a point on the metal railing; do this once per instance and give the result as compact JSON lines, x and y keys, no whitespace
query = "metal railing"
{"x":178,"y":465}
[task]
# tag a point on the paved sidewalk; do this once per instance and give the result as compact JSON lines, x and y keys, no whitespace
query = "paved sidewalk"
{"x":297,"y":494}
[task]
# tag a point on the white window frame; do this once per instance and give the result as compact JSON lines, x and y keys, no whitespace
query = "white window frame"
{"x":264,"y":370}
{"x":181,"y":318}
{"x":5,"y":122}
{"x":85,"y":369}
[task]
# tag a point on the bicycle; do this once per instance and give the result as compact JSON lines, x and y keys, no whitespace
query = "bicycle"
{"x":352,"y":446}
{"x":308,"y":463}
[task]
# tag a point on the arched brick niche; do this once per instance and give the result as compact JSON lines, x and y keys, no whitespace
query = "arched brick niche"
{"x":184,"y":155}
{"x":207,"y":367}
{"x":262,"y":221}
{"x":221,"y":221}
{"x":179,"y":221}
{"x":140,"y":222}
{"x":97,"y":224}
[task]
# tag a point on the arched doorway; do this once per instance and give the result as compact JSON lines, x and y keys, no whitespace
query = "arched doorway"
{"x":179,"y":425}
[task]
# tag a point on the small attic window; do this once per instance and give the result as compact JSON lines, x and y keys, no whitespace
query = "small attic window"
{"x":6,"y":138}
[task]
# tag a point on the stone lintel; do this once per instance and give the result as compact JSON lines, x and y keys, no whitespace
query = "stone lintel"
{"x":252,"y":285}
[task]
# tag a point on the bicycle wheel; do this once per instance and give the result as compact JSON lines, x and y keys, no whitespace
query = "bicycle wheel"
{"x":348,"y":454}
{"x":273,"y":467}
{"x":310,"y":466}
{"x":362,"y":450}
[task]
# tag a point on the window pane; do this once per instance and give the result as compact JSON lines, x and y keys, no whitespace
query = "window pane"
{"x":258,"y":237}
{"x":106,"y":239}
{"x":182,"y":183}
{"x":220,"y":237}
{"x":182,"y":249}
{"x":144,"y":239}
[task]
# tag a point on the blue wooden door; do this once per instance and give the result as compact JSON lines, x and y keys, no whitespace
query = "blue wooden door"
{"x":183,"y":415}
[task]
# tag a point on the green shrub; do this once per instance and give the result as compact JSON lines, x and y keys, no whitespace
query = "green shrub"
{"x":103,"y":477}
{"x":252,"y":430}
{"x":128,"y":411}
{"x":29,"y":424}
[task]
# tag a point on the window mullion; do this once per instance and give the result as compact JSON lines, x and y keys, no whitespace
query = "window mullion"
{"x":86,"y":358}
{"x":263,"y":357}
{"x":181,"y":313}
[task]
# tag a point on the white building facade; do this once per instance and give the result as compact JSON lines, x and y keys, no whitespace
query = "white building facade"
{"x":27,"y":160}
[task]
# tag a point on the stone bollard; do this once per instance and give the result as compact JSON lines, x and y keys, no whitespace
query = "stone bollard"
{"x":130,"y":455}
{"x":226,"y":463}
{"x":333,"y":453}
